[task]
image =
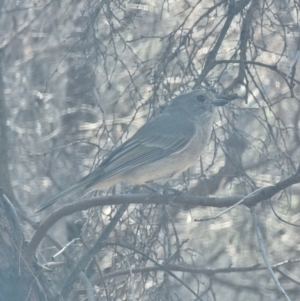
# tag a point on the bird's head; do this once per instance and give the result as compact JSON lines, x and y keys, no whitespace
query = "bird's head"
{"x":196,"y":102}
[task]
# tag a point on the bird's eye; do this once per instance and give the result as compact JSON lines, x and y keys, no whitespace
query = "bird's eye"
{"x":201,"y":98}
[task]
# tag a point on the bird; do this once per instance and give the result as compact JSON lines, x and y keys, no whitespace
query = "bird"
{"x":162,"y":148}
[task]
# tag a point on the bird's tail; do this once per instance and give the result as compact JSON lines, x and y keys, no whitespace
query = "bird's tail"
{"x":65,"y":192}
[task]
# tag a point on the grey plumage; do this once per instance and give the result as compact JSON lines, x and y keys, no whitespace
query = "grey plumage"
{"x":166,"y":145}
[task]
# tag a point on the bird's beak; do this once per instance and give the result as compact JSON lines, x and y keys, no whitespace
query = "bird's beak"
{"x":220,"y":102}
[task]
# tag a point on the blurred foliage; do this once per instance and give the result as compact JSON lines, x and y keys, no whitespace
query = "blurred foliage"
{"x":82,"y":76}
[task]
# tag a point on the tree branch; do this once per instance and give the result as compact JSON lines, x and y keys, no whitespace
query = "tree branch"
{"x":181,"y":199}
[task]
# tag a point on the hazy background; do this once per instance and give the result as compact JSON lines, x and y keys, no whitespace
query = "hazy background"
{"x":80,"y":77}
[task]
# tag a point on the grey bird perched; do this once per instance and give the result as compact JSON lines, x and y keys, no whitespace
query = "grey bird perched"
{"x":163,"y":147}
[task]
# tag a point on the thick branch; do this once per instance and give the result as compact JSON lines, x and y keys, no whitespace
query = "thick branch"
{"x":233,"y":10}
{"x":181,"y":199}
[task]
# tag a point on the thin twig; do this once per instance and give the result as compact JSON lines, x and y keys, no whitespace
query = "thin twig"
{"x":162,"y":267}
{"x":234,"y":205}
{"x":73,"y":241}
{"x":264,"y":254}
{"x":92,"y":251}
{"x":131,"y":276}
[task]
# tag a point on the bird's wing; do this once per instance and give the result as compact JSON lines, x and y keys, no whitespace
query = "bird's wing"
{"x":159,"y":138}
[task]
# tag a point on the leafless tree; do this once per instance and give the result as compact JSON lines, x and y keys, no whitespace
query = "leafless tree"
{"x":78,"y":78}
